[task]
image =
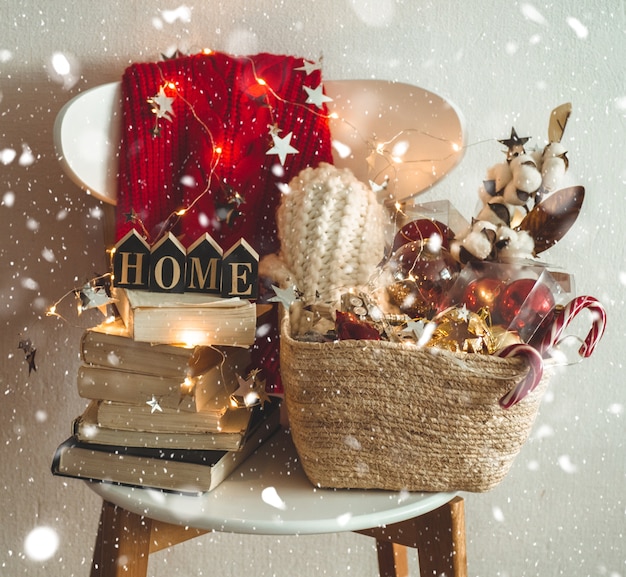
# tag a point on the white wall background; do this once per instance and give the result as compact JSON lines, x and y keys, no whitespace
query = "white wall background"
{"x":562,"y":509}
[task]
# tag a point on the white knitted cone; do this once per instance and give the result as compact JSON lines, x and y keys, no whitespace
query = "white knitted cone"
{"x":331,"y":229}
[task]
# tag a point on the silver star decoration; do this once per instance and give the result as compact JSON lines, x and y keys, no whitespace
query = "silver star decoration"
{"x":464,"y":313}
{"x":420,"y":330}
{"x":92,"y":297}
{"x":251,"y":391}
{"x":414,"y":328}
{"x":274,"y":130}
{"x":284,"y":296}
{"x":154,"y":405}
{"x":27,"y":346}
{"x":162,"y":105}
{"x":316,"y":96}
{"x":308,"y":66}
{"x":378,"y":188}
{"x":282,"y":146}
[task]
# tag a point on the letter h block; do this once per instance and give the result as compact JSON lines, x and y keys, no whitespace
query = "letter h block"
{"x":131,"y":262}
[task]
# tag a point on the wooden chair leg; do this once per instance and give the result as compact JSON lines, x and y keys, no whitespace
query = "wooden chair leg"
{"x":392,"y":559}
{"x":443,"y":532}
{"x":165,"y":535}
{"x":125,"y":541}
{"x":122,"y":545}
{"x":438,"y":536}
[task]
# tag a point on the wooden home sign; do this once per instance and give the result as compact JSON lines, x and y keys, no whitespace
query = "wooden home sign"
{"x":203,"y":267}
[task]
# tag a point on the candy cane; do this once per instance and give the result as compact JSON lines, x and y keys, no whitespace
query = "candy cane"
{"x":532,"y":378}
{"x":565,"y":316}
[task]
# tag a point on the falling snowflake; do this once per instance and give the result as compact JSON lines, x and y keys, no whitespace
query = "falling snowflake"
{"x":565,"y":462}
{"x":270,"y":496}
{"x":498,"y":514}
{"x":532,"y":14}
{"x":578,"y":27}
{"x":41,"y":543}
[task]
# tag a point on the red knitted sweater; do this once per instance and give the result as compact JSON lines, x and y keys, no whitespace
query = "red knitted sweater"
{"x":218,"y":102}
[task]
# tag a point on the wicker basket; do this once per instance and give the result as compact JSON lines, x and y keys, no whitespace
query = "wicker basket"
{"x":382,"y":415}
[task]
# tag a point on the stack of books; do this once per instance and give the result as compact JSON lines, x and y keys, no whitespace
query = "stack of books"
{"x":162,"y":415}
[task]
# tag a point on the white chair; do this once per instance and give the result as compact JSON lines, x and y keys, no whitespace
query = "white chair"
{"x":418,"y":132}
{"x":417,"y":138}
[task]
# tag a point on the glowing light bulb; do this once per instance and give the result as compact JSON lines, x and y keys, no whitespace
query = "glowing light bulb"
{"x":261,"y":81}
{"x":250,"y":399}
{"x":218,"y":150}
{"x":189,"y":338}
{"x":181,"y":212}
{"x":187,"y":386}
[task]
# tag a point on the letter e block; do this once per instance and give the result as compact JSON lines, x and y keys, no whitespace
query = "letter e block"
{"x":240,"y":271}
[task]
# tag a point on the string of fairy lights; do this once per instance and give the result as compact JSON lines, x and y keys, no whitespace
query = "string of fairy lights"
{"x":95,"y":293}
{"x":162,"y":109}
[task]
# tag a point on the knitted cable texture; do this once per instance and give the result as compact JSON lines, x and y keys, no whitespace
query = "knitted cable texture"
{"x":218,"y":101}
{"x":331,"y":229}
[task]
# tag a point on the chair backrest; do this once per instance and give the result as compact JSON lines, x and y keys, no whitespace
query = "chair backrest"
{"x":382,"y":129}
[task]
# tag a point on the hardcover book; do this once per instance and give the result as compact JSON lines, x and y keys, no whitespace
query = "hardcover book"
{"x":181,"y":470}
{"x":110,"y":345}
{"x":185,"y":393}
{"x":234,"y":427}
{"x":186,"y":319}
{"x":150,"y":416}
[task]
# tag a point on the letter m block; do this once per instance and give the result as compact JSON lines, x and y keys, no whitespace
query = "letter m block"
{"x":204,"y":266}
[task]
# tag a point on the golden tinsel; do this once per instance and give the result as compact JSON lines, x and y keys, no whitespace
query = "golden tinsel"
{"x":461,"y":330}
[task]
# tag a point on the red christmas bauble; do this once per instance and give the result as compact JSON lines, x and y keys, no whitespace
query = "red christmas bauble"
{"x":422,"y":278}
{"x":523,"y":304}
{"x":481,"y":293}
{"x":421,"y":230}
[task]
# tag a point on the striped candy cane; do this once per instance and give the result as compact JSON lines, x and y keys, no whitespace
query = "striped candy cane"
{"x":532,"y":378}
{"x":565,"y":316}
